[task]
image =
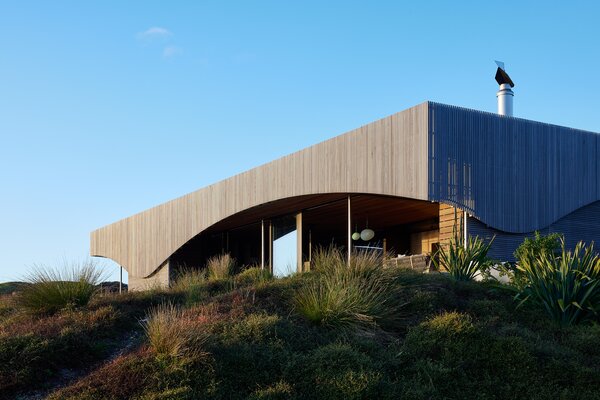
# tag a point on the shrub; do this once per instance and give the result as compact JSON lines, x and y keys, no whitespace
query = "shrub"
{"x":51,"y":290}
{"x":463,"y":259}
{"x":568,"y":286}
{"x":539,"y":244}
{"x":337,"y":371}
{"x":173,"y":334}
{"x":220,"y":267}
{"x":361,"y":295}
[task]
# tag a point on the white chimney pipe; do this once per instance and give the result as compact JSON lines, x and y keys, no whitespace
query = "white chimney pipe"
{"x":505,"y":100}
{"x":505,"y":94}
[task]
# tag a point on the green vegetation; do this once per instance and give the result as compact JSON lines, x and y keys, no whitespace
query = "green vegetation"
{"x":221,"y":267}
{"x":362,"y":295}
{"x":463,"y":259}
{"x":50,"y":290}
{"x":407,"y":335}
{"x":567,"y":286}
{"x":539,"y":244}
{"x":172,"y":333}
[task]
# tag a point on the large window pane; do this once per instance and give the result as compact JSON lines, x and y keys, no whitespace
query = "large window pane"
{"x":285,"y":246}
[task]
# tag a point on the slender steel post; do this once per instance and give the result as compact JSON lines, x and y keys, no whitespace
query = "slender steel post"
{"x":349,"y":231}
{"x":271,"y":246}
{"x":262,"y":244}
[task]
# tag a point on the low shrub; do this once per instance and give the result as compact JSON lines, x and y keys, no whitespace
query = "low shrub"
{"x":361,"y":295}
{"x":463,"y":259}
{"x":549,"y":244}
{"x":567,"y":286}
{"x":172,"y":333}
{"x":51,"y":290}
{"x":220,"y":267}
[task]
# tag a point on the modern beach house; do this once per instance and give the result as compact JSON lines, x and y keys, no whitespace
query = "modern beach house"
{"x":401,"y":184}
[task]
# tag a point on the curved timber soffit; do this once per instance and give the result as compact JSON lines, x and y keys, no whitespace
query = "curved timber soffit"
{"x":385,"y":157}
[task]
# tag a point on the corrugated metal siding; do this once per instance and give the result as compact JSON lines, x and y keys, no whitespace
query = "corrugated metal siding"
{"x":513,"y":174}
{"x":583,"y":224}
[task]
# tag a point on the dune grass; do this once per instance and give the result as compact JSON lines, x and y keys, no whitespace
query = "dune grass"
{"x":220,"y":267}
{"x":361,"y":295}
{"x":52,"y":289}
{"x":172,"y":333}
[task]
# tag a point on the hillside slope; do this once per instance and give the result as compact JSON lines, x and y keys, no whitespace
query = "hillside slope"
{"x":456,"y":340}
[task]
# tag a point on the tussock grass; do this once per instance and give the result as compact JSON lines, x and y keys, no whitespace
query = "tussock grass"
{"x":53,"y":289}
{"x":188,"y":279}
{"x":362,"y":295}
{"x":220,"y":267}
{"x":253,"y":276}
{"x":172,"y":333}
{"x":567,"y":286}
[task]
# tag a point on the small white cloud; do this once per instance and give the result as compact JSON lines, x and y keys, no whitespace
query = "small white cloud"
{"x":171,"y":51}
{"x":154,"y":33}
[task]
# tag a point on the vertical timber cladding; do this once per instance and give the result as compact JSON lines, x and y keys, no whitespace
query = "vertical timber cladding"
{"x":451,"y":221}
{"x":512,"y":174}
{"x":385,"y":157}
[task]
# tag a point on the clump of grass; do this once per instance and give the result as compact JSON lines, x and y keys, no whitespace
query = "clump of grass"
{"x":188,"y":279}
{"x":362,"y":295}
{"x":51,"y":290}
{"x":253,"y":276}
{"x":220,"y":267}
{"x":567,"y":286}
{"x":172,"y":333}
{"x":463,"y":259}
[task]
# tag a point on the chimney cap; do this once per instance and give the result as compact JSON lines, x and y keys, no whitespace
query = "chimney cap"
{"x":501,"y":75}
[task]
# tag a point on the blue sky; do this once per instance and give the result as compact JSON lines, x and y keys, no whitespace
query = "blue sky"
{"x":108,"y":108}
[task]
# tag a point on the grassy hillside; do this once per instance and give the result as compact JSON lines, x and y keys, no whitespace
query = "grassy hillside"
{"x":245,"y":337}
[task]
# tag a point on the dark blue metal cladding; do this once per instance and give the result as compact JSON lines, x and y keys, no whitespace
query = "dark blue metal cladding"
{"x":512,"y":174}
{"x":583,"y":224}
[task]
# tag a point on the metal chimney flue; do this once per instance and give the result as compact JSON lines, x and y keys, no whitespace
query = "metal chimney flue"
{"x":505,"y":95}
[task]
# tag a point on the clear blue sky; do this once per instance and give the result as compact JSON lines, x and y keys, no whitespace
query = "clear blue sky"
{"x":108,"y":108}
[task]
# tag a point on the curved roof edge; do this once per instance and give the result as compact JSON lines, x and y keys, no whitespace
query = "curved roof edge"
{"x":388,"y":157}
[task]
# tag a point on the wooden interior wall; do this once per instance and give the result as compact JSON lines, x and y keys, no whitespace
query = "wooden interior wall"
{"x":421,"y":242}
{"x":451,"y":219}
{"x":388,"y":157}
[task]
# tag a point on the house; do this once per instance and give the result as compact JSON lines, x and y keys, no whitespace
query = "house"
{"x":401,"y":184}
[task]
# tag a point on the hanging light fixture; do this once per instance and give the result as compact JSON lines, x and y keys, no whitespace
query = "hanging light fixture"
{"x":367,"y":234}
{"x":356,"y":234}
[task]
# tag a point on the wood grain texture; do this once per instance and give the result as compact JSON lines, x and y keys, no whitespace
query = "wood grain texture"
{"x":388,"y":157}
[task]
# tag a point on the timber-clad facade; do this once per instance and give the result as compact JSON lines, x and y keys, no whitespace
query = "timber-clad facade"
{"x":409,"y":178}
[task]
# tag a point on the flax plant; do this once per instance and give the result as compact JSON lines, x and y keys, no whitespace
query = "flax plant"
{"x":567,"y":286}
{"x":463,"y":259}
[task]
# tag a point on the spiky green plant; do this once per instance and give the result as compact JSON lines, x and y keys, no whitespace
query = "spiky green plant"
{"x":52,"y":289}
{"x":361,"y":296}
{"x":567,"y":286}
{"x":463,"y":259}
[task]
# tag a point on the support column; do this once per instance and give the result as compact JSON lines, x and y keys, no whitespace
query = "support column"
{"x":262,"y":244}
{"x":299,"y":242}
{"x":271,"y":246}
{"x":349,"y":231}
